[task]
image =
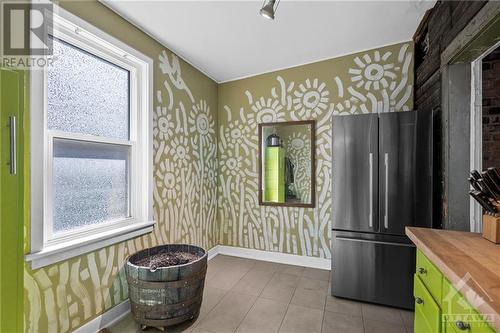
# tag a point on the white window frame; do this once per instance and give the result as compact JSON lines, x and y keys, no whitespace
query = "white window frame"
{"x":45,"y":247}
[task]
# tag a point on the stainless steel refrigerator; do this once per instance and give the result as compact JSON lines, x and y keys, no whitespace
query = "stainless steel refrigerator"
{"x":382,"y":182}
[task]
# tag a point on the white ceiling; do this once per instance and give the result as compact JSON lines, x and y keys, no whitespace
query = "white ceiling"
{"x":228,"y":40}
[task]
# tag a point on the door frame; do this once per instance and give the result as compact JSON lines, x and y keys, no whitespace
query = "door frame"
{"x":476,"y":133}
{"x":458,"y":65}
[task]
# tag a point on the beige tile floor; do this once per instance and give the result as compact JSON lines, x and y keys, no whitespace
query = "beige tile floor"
{"x":250,"y":296}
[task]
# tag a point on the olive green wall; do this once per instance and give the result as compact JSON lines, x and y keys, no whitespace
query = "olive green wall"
{"x":63,"y":296}
{"x":378,"y":80}
{"x":192,"y":115}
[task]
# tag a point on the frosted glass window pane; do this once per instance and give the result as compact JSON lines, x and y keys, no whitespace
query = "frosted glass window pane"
{"x":91,"y":184}
{"x":87,"y":94}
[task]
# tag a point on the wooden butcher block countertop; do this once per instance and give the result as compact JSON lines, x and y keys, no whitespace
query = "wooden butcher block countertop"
{"x":457,"y":253}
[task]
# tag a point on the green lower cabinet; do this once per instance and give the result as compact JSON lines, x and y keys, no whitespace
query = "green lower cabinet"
{"x":427,"y":311}
{"x":450,"y":327}
{"x":439,"y":307}
{"x":430,"y":275}
{"x":459,"y":314}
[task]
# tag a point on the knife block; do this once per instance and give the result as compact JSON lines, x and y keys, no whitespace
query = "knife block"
{"x":491,"y":228}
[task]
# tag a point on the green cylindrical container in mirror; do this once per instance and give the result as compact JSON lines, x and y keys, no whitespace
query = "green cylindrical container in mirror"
{"x":274,"y":172}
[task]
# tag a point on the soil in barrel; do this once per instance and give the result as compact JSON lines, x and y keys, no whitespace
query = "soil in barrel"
{"x":167,"y":259}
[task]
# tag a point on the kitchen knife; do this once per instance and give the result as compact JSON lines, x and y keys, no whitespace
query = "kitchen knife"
{"x":493,"y":173}
{"x":491,"y":184}
{"x":491,"y":206}
{"x":474,"y":184}
{"x":485,"y":189}
{"x":482,"y":187}
{"x":475,"y":174}
{"x":483,"y":202}
{"x":477,"y":197}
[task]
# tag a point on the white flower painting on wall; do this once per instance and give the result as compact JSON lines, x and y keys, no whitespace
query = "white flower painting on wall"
{"x":310,"y":99}
{"x":268,"y":111}
{"x":372,"y":74}
{"x":63,"y":296}
{"x":375,"y":81}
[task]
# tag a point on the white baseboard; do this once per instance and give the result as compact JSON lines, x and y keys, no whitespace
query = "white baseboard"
{"x":106,"y":319}
{"x":213,"y":252}
{"x":282,"y":258}
{"x":119,"y":311}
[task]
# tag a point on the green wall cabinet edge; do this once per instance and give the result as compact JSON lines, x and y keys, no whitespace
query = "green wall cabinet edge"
{"x":13,"y":102}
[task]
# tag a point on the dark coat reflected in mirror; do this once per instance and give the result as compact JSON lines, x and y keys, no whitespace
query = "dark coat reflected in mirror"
{"x":287,"y":163}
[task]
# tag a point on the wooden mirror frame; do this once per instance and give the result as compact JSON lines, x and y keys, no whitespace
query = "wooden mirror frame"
{"x":312,"y":123}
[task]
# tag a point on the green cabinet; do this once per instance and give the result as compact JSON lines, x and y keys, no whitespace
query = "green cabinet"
{"x":430,"y":275}
{"x":11,"y":203}
{"x":439,"y":307}
{"x":462,"y":316}
{"x":427,"y":310}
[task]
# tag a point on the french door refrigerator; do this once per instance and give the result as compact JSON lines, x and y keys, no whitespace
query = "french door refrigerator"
{"x":382,"y":182}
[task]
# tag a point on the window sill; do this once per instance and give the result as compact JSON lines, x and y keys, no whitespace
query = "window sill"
{"x":63,"y":251}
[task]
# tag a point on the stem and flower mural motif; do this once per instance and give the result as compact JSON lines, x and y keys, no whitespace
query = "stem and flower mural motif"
{"x":379,"y":80}
{"x":63,"y":296}
{"x":195,"y":181}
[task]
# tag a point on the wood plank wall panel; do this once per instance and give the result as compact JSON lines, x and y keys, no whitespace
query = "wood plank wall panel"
{"x":440,"y":27}
{"x":436,"y":31}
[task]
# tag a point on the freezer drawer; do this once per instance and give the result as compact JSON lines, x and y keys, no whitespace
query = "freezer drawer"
{"x":374,"y":269}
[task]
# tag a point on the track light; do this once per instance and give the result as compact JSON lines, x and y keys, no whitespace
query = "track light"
{"x":268,"y":10}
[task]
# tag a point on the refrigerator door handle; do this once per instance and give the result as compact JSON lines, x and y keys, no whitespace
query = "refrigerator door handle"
{"x":370,"y":216}
{"x":386,"y":197}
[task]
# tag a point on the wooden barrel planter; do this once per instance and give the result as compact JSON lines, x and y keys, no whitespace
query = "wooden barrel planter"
{"x":168,"y":295}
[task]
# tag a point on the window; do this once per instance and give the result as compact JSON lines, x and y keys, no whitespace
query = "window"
{"x":91,"y":145}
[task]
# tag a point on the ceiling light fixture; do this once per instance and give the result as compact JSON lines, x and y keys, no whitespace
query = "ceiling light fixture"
{"x":268,"y":10}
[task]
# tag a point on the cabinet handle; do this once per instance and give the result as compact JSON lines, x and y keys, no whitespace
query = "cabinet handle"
{"x":418,"y":300}
{"x":422,"y":270}
{"x":462,"y":326}
{"x":13,"y":144}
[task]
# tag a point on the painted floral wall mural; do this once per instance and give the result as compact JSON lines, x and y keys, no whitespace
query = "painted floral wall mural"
{"x":379,"y":80}
{"x":61,"y":297}
{"x":205,"y":165}
{"x":185,"y":161}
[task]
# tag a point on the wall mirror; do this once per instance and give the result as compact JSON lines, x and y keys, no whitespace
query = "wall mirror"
{"x":287,"y":163}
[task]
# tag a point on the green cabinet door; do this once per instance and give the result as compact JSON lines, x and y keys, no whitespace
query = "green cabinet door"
{"x":430,"y":275}
{"x":11,"y":273}
{"x":459,"y":314}
{"x":439,"y":307}
{"x":427,"y":311}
